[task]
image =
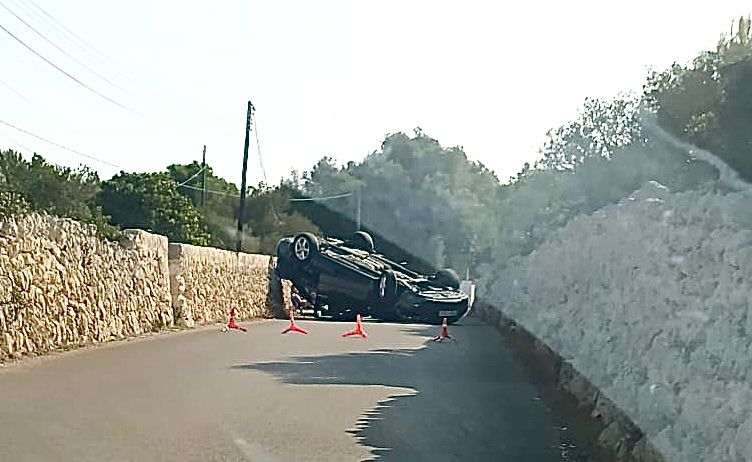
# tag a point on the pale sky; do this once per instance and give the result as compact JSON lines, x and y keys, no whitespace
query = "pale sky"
{"x":327,"y":77}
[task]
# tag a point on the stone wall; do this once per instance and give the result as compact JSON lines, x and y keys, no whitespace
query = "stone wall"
{"x":207,"y":283}
{"x":61,"y":286}
{"x":649,"y":299}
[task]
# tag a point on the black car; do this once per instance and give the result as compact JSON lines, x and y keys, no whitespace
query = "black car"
{"x":344,"y":278}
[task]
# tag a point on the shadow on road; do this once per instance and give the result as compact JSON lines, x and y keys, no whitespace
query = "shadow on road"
{"x":462,"y":404}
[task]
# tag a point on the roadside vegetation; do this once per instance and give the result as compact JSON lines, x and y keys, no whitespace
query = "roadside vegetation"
{"x":430,"y":200}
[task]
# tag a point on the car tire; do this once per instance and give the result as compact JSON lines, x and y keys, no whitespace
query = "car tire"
{"x":447,"y":278}
{"x":362,"y":241}
{"x":387,"y":288}
{"x":304,"y":247}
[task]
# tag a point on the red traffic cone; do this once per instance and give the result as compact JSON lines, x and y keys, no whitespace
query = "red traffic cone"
{"x":231,"y":324}
{"x":444,"y":335}
{"x":358,"y":329}
{"x":293,"y":327}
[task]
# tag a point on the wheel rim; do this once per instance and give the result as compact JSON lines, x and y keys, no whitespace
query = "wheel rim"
{"x":382,"y":286}
{"x":302,"y":249}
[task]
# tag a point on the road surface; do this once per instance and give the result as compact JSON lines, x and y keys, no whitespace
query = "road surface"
{"x":261,"y":396}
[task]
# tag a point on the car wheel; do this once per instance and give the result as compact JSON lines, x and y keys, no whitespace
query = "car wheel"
{"x":304,"y":247}
{"x":447,"y":278}
{"x":387,"y":289}
{"x":362,"y":241}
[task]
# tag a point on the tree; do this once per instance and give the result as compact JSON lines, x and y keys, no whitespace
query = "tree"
{"x":268,"y":215}
{"x":429,"y":200}
{"x":709,"y":102}
{"x":37,"y":185}
{"x":602,"y":126}
{"x":11,"y":204}
{"x":220,"y":206}
{"x":271,"y":217}
{"x":151,"y":201}
{"x":58,"y":190}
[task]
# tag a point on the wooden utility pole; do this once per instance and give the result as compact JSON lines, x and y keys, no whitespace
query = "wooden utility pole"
{"x":203,"y":178}
{"x":241,"y":209}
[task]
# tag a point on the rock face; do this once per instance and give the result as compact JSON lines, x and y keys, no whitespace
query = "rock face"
{"x":650,"y":300}
{"x":62,"y":287}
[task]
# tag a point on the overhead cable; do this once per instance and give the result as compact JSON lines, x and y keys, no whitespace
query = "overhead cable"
{"x":60,"y":145}
{"x":66,"y":73}
{"x":310,"y":199}
{"x":58,"y":48}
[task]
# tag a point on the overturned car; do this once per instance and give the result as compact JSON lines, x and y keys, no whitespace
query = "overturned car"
{"x":345,"y":278}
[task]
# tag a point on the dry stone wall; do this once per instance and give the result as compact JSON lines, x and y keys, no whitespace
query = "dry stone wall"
{"x":207,"y":283}
{"x":63,"y":287}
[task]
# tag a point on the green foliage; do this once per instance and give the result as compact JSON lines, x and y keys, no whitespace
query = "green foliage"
{"x":189,"y":175}
{"x":37,"y":185}
{"x":546,"y":200}
{"x":709,"y":103}
{"x":268,"y":215}
{"x":58,"y":190}
{"x":151,"y":201}
{"x":219,"y":207}
{"x":602,"y":126}
{"x":271,"y":217}
{"x":431,"y":201}
{"x":12,"y":204}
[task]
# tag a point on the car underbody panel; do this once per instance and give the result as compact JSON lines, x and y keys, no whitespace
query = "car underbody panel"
{"x":341,"y":281}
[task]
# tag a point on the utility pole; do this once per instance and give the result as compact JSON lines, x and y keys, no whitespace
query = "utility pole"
{"x":203,"y":178}
{"x":241,"y":209}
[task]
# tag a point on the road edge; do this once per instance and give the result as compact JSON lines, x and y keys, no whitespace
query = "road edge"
{"x":33,"y":360}
{"x":607,"y":431}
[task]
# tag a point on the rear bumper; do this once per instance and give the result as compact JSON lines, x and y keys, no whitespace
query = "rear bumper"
{"x":416,"y":308}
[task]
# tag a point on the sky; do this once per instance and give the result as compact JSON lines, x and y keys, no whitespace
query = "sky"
{"x":327,"y":78}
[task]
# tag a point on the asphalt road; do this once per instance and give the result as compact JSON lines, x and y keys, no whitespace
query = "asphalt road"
{"x":262,"y":396}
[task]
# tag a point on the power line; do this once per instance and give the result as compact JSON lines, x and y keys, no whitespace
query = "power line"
{"x":263,"y":170}
{"x":17,"y":93}
{"x":14,"y":141}
{"x":60,"y":49}
{"x":192,"y":177}
{"x":258,"y":149}
{"x":67,"y":74}
{"x":59,"y":34}
{"x":66,"y":31}
{"x":208,"y":190}
{"x":60,"y":145}
{"x":310,"y":199}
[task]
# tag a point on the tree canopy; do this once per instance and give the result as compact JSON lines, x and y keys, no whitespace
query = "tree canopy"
{"x":709,"y":102}
{"x":151,"y":201}
{"x":424,"y":200}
